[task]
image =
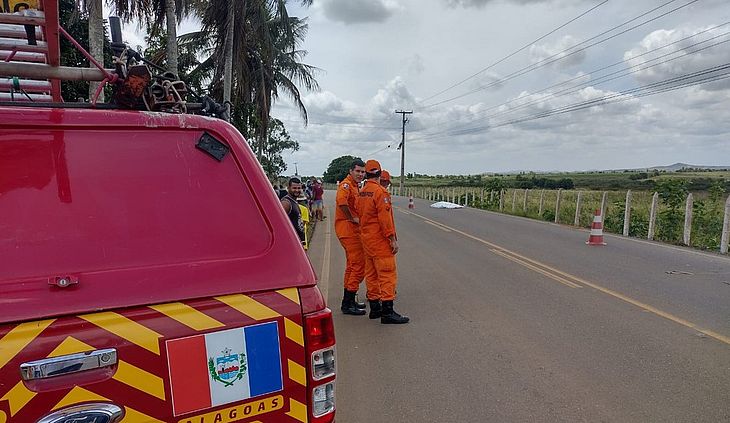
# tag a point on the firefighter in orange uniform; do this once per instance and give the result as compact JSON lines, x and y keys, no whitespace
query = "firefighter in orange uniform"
{"x":377,"y":230}
{"x":347,"y":228}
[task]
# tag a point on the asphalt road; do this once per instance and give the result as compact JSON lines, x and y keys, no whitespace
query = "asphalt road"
{"x":515,"y":320}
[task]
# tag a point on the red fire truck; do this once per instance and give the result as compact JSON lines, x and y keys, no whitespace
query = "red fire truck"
{"x":147,"y":271}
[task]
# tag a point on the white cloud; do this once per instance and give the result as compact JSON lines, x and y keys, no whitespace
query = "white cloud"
{"x":482,"y":3}
{"x":395,"y":95}
{"x":556,"y":53}
{"x":433,"y":46}
{"x":693,"y":50}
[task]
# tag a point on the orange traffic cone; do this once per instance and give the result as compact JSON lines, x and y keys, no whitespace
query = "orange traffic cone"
{"x":410,"y":203}
{"x":596,"y":237}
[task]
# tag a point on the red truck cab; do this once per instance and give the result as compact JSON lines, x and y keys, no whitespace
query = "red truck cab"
{"x":148,"y":274}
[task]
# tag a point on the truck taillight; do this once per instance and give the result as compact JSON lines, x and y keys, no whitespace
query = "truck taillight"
{"x":321,"y":372}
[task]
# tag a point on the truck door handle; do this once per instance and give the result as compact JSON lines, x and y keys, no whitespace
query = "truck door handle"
{"x":67,"y":364}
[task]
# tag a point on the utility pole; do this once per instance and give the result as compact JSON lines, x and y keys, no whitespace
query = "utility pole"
{"x":296,"y":169}
{"x":402,"y":148}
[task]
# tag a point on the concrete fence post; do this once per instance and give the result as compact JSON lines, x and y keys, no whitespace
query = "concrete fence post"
{"x":453,"y":195}
{"x":688,"y":219}
{"x":652,"y":216}
{"x":466,"y":199}
{"x":514,"y":199}
{"x":576,"y":221}
{"x":481,"y":198}
{"x":542,"y":202}
{"x":557,"y":205}
{"x":491,"y":196}
{"x":501,"y":200}
{"x":627,"y":213}
{"x":524,"y":201}
{"x":604,"y":197}
{"x":725,"y":228}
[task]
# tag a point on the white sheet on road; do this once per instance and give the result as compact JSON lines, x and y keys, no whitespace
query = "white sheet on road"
{"x":446,"y":205}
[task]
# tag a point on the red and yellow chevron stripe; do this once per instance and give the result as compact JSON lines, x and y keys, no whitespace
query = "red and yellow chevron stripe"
{"x":139,"y":382}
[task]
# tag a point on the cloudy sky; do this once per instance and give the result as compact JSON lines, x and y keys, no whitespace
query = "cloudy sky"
{"x":503,"y":85}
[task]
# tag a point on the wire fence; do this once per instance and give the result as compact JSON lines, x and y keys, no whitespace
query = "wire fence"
{"x":702,"y":222}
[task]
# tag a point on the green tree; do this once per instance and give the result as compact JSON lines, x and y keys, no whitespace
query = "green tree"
{"x":76,"y":22}
{"x":338,"y":168}
{"x":707,"y":218}
{"x":673,"y":193}
{"x":278,"y":142}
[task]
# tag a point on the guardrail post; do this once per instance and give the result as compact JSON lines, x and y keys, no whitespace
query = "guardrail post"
{"x":652,"y":216}
{"x":688,"y":219}
{"x":557,"y":205}
{"x":604,"y":197}
{"x":576,"y":221}
{"x":542,"y":202}
{"x":524,"y":202}
{"x":725,"y":228}
{"x":627,"y":213}
{"x":501,"y":200}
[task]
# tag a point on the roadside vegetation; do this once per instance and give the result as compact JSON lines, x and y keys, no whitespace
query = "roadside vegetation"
{"x":523,"y":194}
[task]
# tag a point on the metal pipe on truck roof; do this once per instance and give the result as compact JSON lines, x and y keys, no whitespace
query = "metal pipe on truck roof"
{"x":41,"y":71}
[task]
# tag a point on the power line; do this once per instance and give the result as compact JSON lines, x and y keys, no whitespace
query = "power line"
{"x":606,"y":78}
{"x":691,"y":79}
{"x":613,"y":76}
{"x":515,"y":52}
{"x":603,"y":79}
{"x":351,"y":125}
{"x":556,"y":57}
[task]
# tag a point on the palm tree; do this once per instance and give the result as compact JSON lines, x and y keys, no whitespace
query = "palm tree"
{"x":154,"y":12}
{"x":265,"y":58}
{"x":96,"y":40}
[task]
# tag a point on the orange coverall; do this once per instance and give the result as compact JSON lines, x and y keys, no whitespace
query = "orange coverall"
{"x":349,"y":234}
{"x":376,"y":226}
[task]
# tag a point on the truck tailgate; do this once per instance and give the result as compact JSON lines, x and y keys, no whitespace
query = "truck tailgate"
{"x":222,"y":359}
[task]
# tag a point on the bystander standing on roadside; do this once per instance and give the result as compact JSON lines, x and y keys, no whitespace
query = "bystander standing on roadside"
{"x":291,"y":207}
{"x":318,"y":200}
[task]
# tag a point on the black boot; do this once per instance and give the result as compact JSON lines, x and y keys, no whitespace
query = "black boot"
{"x":358,"y":304}
{"x":348,"y":304}
{"x":375,"y":309}
{"x":389,"y":316}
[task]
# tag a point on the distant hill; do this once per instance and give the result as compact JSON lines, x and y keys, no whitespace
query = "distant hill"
{"x":679,"y":166}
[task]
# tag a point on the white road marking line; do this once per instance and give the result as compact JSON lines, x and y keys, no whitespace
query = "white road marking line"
{"x":503,"y":251}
